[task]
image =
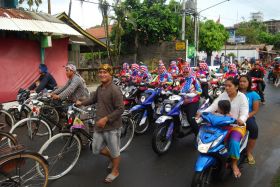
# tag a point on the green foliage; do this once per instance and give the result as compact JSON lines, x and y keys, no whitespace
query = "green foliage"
{"x":31,"y":3}
{"x":151,"y":20}
{"x":251,"y":31}
{"x":212,"y":36}
{"x":231,"y":54}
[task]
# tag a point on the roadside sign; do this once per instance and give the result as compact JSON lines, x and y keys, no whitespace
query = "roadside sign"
{"x":180,"y":46}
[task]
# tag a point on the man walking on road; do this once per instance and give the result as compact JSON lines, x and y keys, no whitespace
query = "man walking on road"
{"x":109,"y":108}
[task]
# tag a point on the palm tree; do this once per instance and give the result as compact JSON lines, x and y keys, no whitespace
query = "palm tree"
{"x":30,"y":3}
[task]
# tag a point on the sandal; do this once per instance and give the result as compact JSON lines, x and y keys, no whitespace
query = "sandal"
{"x":251,"y":160}
{"x":110,"y":178}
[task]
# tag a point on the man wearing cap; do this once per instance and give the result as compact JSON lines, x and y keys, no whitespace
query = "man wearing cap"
{"x":107,"y":132}
{"x":75,"y":87}
{"x":45,"y":80}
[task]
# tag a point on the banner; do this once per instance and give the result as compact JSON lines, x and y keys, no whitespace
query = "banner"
{"x":191,"y":51}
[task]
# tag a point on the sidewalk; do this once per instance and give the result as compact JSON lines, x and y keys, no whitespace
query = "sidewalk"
{"x":8,"y":105}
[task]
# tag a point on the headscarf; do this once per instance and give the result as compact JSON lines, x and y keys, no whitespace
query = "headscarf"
{"x":107,"y":68}
{"x":125,"y":66}
{"x":43,"y":68}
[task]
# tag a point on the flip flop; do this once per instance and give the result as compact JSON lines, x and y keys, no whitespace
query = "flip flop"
{"x":110,"y":178}
{"x":251,"y":160}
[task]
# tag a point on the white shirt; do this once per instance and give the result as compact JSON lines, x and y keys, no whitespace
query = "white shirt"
{"x":239,"y":106}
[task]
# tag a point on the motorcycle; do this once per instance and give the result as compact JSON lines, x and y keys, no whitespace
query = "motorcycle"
{"x":213,"y":161}
{"x":216,"y":85}
{"x":172,"y":123}
{"x":144,"y":113}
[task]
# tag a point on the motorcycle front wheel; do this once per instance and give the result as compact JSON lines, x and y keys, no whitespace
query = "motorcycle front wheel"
{"x":137,"y":117}
{"x":160,"y":142}
{"x":202,"y":179}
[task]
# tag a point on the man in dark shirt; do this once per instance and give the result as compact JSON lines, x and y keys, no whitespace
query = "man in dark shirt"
{"x":109,"y":108}
{"x":45,"y":81}
{"x":258,"y":73}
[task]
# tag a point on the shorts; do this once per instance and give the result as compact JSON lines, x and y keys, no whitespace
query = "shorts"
{"x":109,"y":139}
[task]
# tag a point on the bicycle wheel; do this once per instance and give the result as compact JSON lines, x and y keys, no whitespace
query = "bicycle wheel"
{"x":17,"y":116}
{"x":6,"y":117}
{"x":7,"y":139}
{"x":62,"y":152}
{"x":127,"y":132}
{"x":21,"y":169}
{"x":29,"y":133}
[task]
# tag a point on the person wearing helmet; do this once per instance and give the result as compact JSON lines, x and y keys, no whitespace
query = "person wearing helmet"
{"x":232,"y":71}
{"x":134,"y":72}
{"x":202,"y":73}
{"x":125,"y":70}
{"x":163,"y":76}
{"x":44,"y":82}
{"x":191,"y":105}
{"x":144,"y":76}
{"x":173,"y":69}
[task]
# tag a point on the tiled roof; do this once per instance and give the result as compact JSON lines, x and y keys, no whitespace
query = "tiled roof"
{"x":99,"y":32}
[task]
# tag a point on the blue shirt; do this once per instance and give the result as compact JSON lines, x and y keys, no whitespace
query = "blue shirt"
{"x":252,"y":97}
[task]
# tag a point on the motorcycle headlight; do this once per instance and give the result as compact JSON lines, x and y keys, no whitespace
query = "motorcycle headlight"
{"x":142,"y":99}
{"x":177,"y":83}
{"x":126,"y":94}
{"x":167,"y":108}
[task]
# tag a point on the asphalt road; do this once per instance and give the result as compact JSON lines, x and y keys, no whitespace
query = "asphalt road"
{"x":141,"y":167}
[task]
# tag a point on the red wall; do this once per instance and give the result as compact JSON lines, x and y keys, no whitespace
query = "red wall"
{"x":19,"y":61}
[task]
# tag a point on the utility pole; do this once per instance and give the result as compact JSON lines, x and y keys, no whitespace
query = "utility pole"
{"x":49,"y":7}
{"x":195,"y":32}
{"x":70,"y":6}
{"x":184,"y":21}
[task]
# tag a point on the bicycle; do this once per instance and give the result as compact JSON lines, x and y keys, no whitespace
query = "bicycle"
{"x":5,"y":116}
{"x":63,"y":150}
{"x":19,"y":167}
{"x":35,"y":130}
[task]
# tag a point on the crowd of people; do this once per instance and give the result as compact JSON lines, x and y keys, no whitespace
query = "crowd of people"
{"x":241,"y":102}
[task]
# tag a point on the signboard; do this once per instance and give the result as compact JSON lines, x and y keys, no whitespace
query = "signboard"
{"x":231,"y":33}
{"x":240,"y":39}
{"x":180,"y":46}
{"x":191,"y":51}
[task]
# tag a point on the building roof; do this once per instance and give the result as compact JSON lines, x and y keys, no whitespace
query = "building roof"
{"x":20,"y":20}
{"x":99,"y":32}
{"x":97,"y":45}
{"x":244,"y":47}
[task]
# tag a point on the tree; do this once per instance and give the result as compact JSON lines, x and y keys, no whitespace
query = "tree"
{"x":104,"y":8}
{"x":31,"y":3}
{"x":212,"y":37}
{"x":147,"y":22}
{"x":251,"y":31}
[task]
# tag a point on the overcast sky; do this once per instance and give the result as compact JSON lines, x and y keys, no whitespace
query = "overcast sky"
{"x":231,"y":12}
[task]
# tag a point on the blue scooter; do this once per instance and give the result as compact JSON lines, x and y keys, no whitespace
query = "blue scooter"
{"x":213,"y":160}
{"x":172,"y":123}
{"x":144,"y":113}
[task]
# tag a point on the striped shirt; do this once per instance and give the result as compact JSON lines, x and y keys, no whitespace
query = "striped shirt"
{"x":73,"y":89}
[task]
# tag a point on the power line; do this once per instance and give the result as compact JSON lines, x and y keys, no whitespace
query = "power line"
{"x":92,"y":2}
